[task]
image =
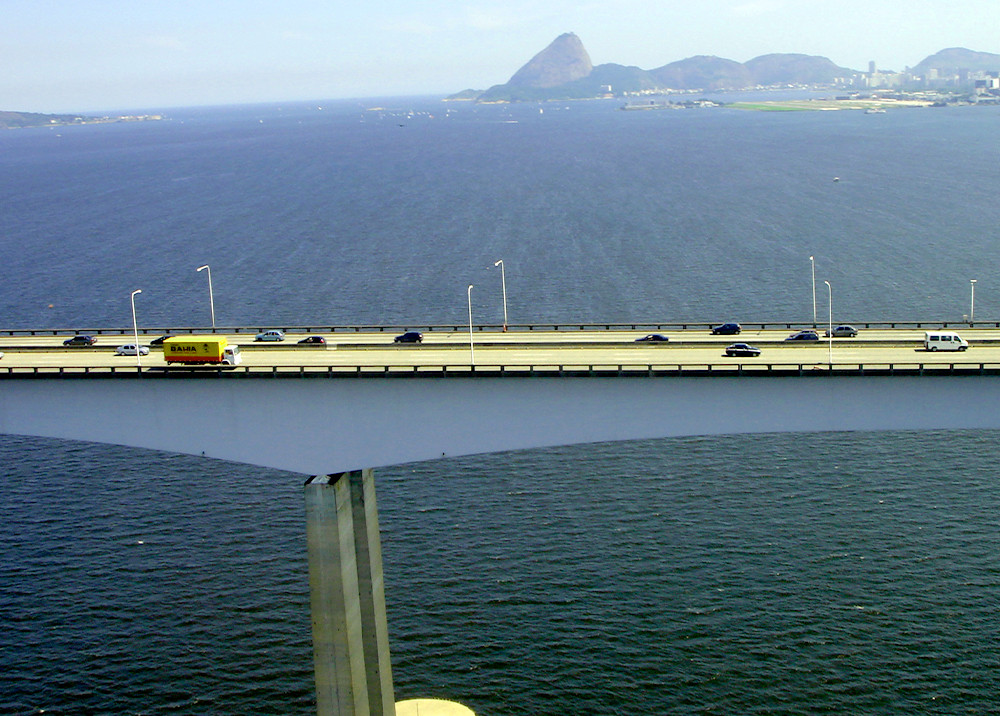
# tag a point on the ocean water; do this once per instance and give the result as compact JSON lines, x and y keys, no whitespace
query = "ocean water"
{"x":784,"y":574}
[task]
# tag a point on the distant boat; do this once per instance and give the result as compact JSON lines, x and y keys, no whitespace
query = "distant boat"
{"x":836,"y":179}
{"x":874,"y":110}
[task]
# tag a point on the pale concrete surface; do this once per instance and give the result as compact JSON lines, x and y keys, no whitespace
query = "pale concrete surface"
{"x":540,"y":348}
{"x":431,"y":707}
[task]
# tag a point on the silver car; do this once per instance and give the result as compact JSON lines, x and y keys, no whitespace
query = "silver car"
{"x":270,"y":336}
{"x":842,"y":332}
{"x":129,"y":350}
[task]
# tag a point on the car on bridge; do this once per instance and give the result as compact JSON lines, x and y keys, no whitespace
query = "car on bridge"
{"x":945,"y":341}
{"x":80,"y":341}
{"x":727,"y":329}
{"x":129,"y":350}
{"x":270,"y":336}
{"x":742,"y":350}
{"x":409,"y":337}
{"x":803,"y":336}
{"x":158,"y":341}
{"x":653,"y":338}
{"x":841,"y":332}
{"x":319,"y":340}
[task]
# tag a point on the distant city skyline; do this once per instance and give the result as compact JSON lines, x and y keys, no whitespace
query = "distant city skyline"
{"x":106,"y":55}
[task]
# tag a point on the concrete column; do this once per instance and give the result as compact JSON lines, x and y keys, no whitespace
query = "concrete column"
{"x":371,"y":584}
{"x":338,"y":653}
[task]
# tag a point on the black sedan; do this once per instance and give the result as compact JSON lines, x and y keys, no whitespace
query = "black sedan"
{"x":742,"y":350}
{"x":80,"y":341}
{"x":803,"y":336}
{"x":409,"y":337}
{"x":727,"y":329}
{"x":653,"y":338}
{"x":314,"y":339}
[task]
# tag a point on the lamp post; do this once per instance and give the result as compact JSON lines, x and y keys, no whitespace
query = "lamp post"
{"x":135,"y":330}
{"x":972,"y":302}
{"x":472,"y":347}
{"x":211,"y":297}
{"x":503,"y":283}
{"x":830,"y":328}
{"x":812,"y":263}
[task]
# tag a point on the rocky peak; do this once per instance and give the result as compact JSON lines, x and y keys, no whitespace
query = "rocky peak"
{"x":565,"y":60}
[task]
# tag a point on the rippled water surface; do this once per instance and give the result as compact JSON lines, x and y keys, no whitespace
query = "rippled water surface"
{"x":775,"y":574}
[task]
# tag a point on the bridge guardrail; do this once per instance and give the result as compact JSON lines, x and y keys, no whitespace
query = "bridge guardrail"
{"x":491,"y":327}
{"x":511,"y":371}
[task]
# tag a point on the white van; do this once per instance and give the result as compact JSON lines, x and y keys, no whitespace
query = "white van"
{"x":944,"y":341}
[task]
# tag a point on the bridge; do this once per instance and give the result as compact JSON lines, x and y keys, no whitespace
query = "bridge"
{"x":358,"y":401}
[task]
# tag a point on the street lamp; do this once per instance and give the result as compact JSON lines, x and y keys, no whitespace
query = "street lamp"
{"x":972,"y":302}
{"x":135,"y":330}
{"x":812,"y":262}
{"x":503,"y":283}
{"x":211,"y":297}
{"x":830,"y":328}
{"x":472,"y":347}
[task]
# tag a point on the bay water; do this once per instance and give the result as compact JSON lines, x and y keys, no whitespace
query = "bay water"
{"x":843,"y":573}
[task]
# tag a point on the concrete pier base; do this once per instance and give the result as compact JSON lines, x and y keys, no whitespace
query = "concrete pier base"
{"x":347,"y":596}
{"x":432,"y":707}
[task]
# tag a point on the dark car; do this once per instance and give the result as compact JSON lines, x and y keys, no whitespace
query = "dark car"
{"x":313,"y":339}
{"x":159,"y":341}
{"x":653,"y":338}
{"x":842,"y":332}
{"x":803,"y":336}
{"x":727,"y":329}
{"x":409,"y":337}
{"x":742,"y":350}
{"x":80,"y":341}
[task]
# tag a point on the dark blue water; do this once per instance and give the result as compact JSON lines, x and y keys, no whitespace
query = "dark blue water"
{"x":345,"y":216}
{"x":847,"y":573}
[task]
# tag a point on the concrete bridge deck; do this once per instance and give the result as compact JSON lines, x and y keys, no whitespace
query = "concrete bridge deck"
{"x":527,"y":352}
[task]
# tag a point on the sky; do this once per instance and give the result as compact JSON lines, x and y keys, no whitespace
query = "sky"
{"x":125,"y":55}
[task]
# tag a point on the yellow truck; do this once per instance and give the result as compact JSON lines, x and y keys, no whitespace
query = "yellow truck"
{"x":197,"y":350}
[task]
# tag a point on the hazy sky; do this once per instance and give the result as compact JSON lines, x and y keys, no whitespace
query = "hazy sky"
{"x":87,"y":55}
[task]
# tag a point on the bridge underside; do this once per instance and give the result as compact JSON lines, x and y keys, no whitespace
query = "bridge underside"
{"x":323,"y":426}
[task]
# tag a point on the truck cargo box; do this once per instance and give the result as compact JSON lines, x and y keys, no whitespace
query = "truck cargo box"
{"x":200,"y":349}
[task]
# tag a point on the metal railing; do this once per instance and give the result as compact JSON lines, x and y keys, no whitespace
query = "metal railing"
{"x":513,"y":371}
{"x":512,"y":328}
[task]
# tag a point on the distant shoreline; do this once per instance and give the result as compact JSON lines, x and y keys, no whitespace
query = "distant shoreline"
{"x":25,"y":120}
{"x":870,"y":105}
{"x":814,"y":105}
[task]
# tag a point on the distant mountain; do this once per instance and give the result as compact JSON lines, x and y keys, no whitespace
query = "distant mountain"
{"x":703,"y":72}
{"x":789,"y":68}
{"x":955,"y":59}
{"x":595,"y":84}
{"x":562,"y":63}
{"x":618,"y":77}
{"x":563,"y":70}
{"x":564,"y":60}
{"x":717,"y":73}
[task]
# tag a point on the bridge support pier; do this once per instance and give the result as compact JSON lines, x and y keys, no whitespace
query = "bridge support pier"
{"x":347,"y":596}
